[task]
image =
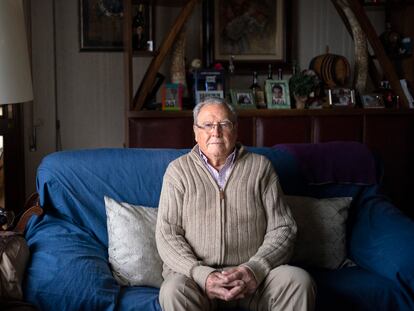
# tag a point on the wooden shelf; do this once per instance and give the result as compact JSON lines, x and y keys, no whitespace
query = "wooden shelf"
{"x":279,"y":112}
{"x":143,"y":53}
{"x":172,"y":3}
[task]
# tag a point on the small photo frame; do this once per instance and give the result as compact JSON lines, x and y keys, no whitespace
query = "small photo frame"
{"x":201,"y":95}
{"x":341,"y":97}
{"x":243,"y":99}
{"x":172,"y":96}
{"x":277,"y":94}
{"x":372,"y":100}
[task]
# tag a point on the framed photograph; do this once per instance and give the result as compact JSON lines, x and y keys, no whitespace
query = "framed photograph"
{"x":243,"y":99}
{"x":277,"y":94}
{"x":372,"y":100}
{"x":100,"y":25}
{"x":172,"y":96}
{"x":201,"y":95}
{"x":254,"y":32}
{"x":209,"y":80}
{"x":341,"y":97}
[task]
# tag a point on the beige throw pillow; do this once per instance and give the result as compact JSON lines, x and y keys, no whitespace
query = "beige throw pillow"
{"x":321,"y":238}
{"x":132,"y":250}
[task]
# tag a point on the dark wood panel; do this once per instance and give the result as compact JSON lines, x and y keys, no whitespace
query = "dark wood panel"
{"x":246,"y":131}
{"x":161,"y":133}
{"x":278,"y":130}
{"x":338,"y":128}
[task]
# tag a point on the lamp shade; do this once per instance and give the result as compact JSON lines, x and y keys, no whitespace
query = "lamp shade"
{"x":15,"y":75}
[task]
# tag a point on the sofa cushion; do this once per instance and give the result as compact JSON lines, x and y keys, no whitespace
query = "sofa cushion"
{"x":321,"y":238}
{"x":354,"y":288}
{"x":132,"y":250}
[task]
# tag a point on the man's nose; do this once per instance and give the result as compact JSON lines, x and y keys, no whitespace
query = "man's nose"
{"x":216,"y":130}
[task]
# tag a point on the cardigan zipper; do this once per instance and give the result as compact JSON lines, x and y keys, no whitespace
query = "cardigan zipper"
{"x":221,"y":194}
{"x":223,"y":231}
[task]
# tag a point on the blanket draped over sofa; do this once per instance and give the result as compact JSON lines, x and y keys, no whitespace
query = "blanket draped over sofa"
{"x":69,"y":268}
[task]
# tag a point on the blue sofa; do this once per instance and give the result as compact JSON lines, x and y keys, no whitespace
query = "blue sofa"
{"x":69,"y":267}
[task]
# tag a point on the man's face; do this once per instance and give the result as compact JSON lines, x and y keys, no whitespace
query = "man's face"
{"x":277,"y":93}
{"x":218,"y":142}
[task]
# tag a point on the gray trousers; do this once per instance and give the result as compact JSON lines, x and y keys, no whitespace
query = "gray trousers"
{"x":285,"y":288}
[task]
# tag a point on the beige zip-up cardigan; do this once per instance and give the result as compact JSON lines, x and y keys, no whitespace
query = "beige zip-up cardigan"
{"x":202,"y":228}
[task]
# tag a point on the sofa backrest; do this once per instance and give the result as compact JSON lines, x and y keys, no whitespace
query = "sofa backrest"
{"x":72,"y":184}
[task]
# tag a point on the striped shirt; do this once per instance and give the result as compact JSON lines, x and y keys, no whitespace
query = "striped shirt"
{"x":222,"y":175}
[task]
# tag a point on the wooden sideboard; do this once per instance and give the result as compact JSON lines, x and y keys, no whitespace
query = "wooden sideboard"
{"x":388,"y":133}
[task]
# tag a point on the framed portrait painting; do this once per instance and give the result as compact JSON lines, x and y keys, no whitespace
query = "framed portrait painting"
{"x":254,"y":32}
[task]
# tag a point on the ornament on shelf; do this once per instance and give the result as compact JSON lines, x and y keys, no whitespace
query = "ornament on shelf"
{"x":177,"y":71}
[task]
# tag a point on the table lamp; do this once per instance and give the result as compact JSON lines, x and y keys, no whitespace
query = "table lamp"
{"x":15,"y":74}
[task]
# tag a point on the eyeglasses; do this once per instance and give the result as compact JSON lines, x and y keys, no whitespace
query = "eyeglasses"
{"x":224,"y":126}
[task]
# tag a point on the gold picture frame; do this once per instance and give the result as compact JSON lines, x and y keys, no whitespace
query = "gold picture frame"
{"x":254,"y":32}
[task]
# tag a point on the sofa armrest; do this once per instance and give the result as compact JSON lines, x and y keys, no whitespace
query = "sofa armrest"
{"x":68,"y":268}
{"x":382,"y":241}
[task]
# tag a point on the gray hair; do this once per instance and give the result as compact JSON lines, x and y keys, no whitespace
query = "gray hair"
{"x":214,"y":101}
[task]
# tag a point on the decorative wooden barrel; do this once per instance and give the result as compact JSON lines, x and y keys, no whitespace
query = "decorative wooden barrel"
{"x":332,"y":69}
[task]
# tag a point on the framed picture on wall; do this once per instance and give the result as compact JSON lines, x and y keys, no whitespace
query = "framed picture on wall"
{"x":254,"y":32}
{"x":277,"y":94}
{"x":100,"y":25}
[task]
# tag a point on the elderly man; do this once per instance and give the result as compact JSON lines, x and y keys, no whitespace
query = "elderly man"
{"x":223,"y":229}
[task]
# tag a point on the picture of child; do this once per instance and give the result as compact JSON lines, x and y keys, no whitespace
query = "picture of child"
{"x":278,"y":95}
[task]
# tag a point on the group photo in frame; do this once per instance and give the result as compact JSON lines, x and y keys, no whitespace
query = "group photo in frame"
{"x":243,"y":99}
{"x":252,"y":32}
{"x":277,"y":94}
{"x":341,"y":97}
{"x":201,"y":95}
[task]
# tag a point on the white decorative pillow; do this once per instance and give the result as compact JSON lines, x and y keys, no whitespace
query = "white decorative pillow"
{"x":132,"y":250}
{"x":321,"y":238}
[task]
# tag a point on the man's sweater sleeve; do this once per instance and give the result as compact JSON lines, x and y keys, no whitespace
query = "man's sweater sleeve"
{"x":172,"y":246}
{"x":278,"y":243}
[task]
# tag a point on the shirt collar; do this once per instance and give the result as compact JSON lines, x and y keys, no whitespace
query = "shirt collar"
{"x":229,"y":161}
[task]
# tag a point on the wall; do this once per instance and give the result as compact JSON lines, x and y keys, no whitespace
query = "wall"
{"x":84,"y":91}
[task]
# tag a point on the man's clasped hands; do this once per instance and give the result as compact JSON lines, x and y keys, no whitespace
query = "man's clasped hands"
{"x":231,"y":284}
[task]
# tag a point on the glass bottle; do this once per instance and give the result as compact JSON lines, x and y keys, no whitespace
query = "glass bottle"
{"x":280,"y":74}
{"x":255,"y":86}
{"x":257,"y":92}
{"x":269,"y":75}
{"x":139,"y":35}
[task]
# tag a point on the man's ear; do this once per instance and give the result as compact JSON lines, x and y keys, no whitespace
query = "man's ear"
{"x":195,"y":133}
